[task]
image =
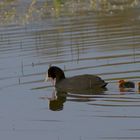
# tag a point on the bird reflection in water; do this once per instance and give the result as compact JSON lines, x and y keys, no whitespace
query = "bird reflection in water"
{"x":58,"y":98}
{"x":56,"y":101}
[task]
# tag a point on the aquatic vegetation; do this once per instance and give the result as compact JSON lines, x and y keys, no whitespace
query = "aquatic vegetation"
{"x":13,"y":11}
{"x":7,"y":11}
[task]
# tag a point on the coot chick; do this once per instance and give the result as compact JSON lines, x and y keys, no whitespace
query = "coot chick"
{"x":79,"y":82}
{"x":139,"y":86}
{"x":126,"y":84}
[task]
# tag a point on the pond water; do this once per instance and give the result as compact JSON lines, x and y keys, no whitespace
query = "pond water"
{"x":91,"y":42}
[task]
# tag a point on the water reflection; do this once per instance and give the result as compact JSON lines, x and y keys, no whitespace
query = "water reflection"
{"x":58,"y":97}
{"x":56,"y":102}
{"x":122,"y":90}
{"x":100,"y":97}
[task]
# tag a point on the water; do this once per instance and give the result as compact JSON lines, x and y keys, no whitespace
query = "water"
{"x":102,"y":43}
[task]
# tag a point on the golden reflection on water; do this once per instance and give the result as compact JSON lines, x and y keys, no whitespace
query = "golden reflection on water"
{"x":22,"y":11}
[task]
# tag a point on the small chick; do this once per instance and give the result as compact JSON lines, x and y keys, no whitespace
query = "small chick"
{"x":126,"y":84}
{"x":139,"y":86}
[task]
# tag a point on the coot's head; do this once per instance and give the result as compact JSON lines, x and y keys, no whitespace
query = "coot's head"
{"x":121,"y":81}
{"x":122,"y":84}
{"x":55,"y":73}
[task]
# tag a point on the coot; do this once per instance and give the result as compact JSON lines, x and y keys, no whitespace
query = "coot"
{"x":79,"y":82}
{"x":126,"y":84}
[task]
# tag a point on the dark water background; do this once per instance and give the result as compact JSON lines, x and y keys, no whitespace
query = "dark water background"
{"x":80,"y":38}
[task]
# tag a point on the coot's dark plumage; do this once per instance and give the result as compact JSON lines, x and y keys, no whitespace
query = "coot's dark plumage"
{"x":80,"y":82}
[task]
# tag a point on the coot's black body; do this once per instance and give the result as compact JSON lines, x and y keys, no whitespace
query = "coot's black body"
{"x":79,"y":82}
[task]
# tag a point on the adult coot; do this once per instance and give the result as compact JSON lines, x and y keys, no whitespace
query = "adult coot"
{"x":79,"y":82}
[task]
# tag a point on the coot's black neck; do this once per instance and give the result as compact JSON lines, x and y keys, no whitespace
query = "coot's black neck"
{"x":60,"y":77}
